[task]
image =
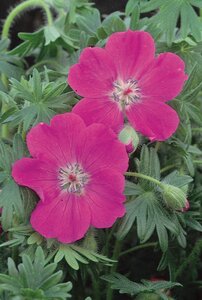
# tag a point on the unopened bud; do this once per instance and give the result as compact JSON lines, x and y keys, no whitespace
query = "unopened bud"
{"x":187,"y":206}
{"x":130,"y":148}
{"x":129,"y":137}
{"x":174,"y":197}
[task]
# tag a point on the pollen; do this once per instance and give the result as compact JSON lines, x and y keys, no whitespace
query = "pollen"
{"x":126,"y":92}
{"x":72,"y":178}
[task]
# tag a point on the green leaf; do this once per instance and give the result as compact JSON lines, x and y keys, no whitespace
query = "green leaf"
{"x":74,"y":254}
{"x":11,"y":202}
{"x":131,"y":6}
{"x":176,"y":179}
{"x":126,"y":286}
{"x":39,"y":100}
{"x":34,"y":279}
{"x":132,"y":189}
{"x":89,"y":21}
{"x":113,"y":23}
{"x":168,"y":15}
{"x":18,"y":147}
{"x":148,"y":165}
{"x":51,"y":34}
{"x":135,"y":18}
{"x":11,"y":71}
{"x":150,"y":215}
{"x":31,"y":42}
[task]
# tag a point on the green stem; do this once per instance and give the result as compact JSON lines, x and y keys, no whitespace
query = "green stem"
{"x":157,"y":146}
{"x":192,"y":259}
{"x":117,"y":249}
{"x":166,"y":168}
{"x":197,"y":161}
{"x":143,"y":176}
{"x":197,"y":129}
{"x":19,"y":8}
{"x":136,"y":248}
{"x":109,"y":236}
{"x":95,"y":284}
{"x":4,"y":127}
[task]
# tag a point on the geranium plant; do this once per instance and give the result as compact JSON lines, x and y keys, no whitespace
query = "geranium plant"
{"x":100,"y":152}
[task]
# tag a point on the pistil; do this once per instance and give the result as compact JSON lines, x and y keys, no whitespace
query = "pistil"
{"x":126,"y":92}
{"x":72,"y":178}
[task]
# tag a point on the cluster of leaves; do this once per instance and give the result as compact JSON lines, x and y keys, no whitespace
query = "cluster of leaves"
{"x":153,"y":290}
{"x":172,"y":17}
{"x":34,"y":279}
{"x":147,"y":206}
{"x":33,"y":101}
{"x":14,"y":201}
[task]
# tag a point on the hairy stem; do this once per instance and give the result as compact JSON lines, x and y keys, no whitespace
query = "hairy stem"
{"x":166,"y":168}
{"x":157,"y":146}
{"x":23,"y":6}
{"x":197,"y":129}
{"x":143,"y":176}
{"x":197,"y":162}
{"x":136,"y":248}
{"x":96,"y":287}
{"x":117,"y":249}
{"x":4,"y":127}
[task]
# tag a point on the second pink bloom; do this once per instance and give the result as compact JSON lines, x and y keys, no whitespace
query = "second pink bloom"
{"x":125,"y":81}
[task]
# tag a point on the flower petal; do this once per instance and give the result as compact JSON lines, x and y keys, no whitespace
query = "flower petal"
{"x":94,"y":75}
{"x":102,"y":149}
{"x":156,"y":120}
{"x":105,"y":197}
{"x":165,"y":79}
{"x":38,"y":175}
{"x":65,"y":218}
{"x":132,"y":52}
{"x":57,"y":141}
{"x":69,"y":128}
{"x":100,"y":110}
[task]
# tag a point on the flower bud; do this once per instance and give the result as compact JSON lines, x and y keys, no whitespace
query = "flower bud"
{"x":187,"y":206}
{"x":130,"y":148}
{"x":174,"y":197}
{"x":129,"y":137}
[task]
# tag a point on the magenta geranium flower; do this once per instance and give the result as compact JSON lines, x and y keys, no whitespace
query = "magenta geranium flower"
{"x":77,"y":171}
{"x":125,"y":81}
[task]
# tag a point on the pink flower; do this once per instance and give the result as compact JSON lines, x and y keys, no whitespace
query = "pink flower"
{"x":126,"y":81}
{"x":77,"y":171}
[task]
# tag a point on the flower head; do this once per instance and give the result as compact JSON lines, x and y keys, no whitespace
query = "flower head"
{"x":129,"y":137}
{"x":78,"y":178}
{"x":126,"y":81}
{"x":174,"y":197}
{"x":187,"y":206}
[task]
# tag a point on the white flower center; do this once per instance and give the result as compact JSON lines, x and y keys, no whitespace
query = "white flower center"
{"x":72,"y":178}
{"x":126,"y":92}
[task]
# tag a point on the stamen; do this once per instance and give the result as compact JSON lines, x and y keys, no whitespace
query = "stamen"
{"x":72,"y":178}
{"x":126,"y":92}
